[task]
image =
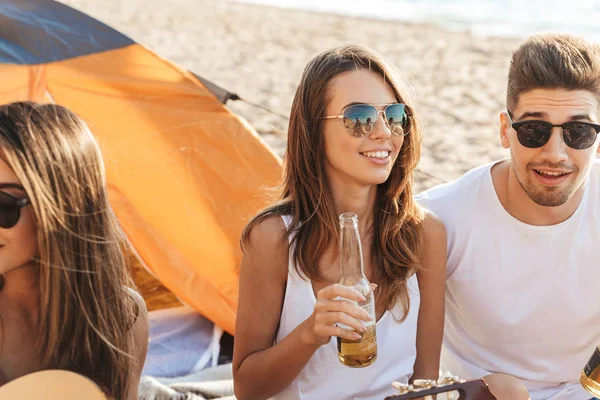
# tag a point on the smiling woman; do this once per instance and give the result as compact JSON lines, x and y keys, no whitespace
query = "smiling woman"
{"x":64,"y":298}
{"x":374,"y":142}
{"x":353,"y":144}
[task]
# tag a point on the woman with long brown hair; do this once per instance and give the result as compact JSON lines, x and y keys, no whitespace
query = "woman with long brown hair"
{"x":354,"y":141}
{"x":64,"y":297}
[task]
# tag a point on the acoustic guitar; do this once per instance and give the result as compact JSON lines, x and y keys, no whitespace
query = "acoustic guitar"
{"x":467,"y":390}
{"x":51,"y":385}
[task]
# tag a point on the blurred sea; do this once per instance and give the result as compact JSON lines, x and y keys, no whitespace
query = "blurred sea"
{"x":503,"y":18}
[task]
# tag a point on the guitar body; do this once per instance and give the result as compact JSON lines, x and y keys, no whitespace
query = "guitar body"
{"x":470,"y":390}
{"x":51,"y":385}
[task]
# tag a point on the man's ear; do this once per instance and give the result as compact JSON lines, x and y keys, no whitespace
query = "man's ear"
{"x":505,"y":126}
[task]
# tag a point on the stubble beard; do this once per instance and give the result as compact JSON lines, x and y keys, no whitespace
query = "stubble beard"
{"x":544,"y":196}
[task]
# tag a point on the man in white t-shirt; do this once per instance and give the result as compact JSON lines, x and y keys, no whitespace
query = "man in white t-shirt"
{"x":523,"y":284}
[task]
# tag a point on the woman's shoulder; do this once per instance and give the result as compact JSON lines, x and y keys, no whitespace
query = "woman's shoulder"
{"x":268,"y":232}
{"x":140,"y":303}
{"x":433,"y":229}
{"x":139,"y":328}
{"x":140,"y":338}
{"x":140,"y":325}
{"x":266,"y":250}
{"x":432,"y":223}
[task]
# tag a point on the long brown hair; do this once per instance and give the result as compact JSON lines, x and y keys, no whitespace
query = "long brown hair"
{"x":85,"y":311}
{"x":305,"y":195}
{"x":553,"y":61}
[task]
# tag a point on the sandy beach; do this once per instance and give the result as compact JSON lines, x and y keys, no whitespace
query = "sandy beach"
{"x":259,"y":53}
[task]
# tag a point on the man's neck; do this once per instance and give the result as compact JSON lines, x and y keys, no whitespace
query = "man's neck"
{"x":517,"y":203}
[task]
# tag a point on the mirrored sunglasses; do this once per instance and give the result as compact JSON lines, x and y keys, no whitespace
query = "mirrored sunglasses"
{"x":360,"y":119}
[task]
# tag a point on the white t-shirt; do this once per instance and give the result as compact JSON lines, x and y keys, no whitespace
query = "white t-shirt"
{"x":521,"y":299}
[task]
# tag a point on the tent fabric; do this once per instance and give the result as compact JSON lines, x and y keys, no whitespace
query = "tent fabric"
{"x":42,"y":31}
{"x":184,"y":173}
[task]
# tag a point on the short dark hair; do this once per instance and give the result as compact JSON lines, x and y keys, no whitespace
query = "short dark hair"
{"x":553,"y":61}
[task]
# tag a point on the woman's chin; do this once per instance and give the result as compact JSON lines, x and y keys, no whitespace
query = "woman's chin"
{"x":376,"y":180}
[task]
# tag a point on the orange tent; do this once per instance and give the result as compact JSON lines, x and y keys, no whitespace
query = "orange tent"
{"x":184,"y":172}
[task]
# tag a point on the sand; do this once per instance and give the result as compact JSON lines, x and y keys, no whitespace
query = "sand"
{"x":259,"y":53}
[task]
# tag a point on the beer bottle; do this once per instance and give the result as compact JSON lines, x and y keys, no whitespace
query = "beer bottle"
{"x":590,"y":376}
{"x":362,"y":352}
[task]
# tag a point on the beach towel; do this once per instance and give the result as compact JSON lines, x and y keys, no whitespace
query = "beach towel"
{"x":208,"y":384}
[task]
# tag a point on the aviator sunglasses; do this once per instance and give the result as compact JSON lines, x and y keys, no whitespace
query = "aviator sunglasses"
{"x":360,"y":119}
{"x":578,"y":135}
{"x":10,"y":210}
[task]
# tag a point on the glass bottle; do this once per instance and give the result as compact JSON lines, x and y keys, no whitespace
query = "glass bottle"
{"x":590,"y":376}
{"x":362,"y":352}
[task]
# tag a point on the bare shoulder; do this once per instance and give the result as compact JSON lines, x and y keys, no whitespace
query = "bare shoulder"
{"x":268,"y":231}
{"x":434,"y":245}
{"x":434,"y":230}
{"x":142,"y":310}
{"x":266,"y":244}
{"x":141,"y":337}
{"x":140,"y":327}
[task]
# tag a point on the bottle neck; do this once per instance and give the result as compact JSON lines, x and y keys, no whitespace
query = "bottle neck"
{"x":351,"y":260}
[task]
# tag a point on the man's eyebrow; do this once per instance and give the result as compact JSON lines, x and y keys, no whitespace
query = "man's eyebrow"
{"x":540,"y":114}
{"x":579,"y":117}
{"x":534,"y":114}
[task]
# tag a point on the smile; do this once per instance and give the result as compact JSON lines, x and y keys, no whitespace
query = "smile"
{"x":550,"y":173}
{"x":551,"y":178}
{"x":377,"y":154}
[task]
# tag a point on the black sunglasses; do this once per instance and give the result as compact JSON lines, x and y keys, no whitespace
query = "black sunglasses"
{"x":360,"y":119}
{"x":10,"y":210}
{"x":578,"y":135}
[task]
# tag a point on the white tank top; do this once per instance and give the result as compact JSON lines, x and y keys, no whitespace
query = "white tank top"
{"x":521,"y":299}
{"x":324,"y":377}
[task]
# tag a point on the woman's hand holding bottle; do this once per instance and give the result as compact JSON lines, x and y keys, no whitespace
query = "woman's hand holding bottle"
{"x":336,"y":305}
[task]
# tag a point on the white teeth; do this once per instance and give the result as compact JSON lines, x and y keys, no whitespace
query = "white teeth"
{"x":550,"y":173}
{"x":377,"y":154}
